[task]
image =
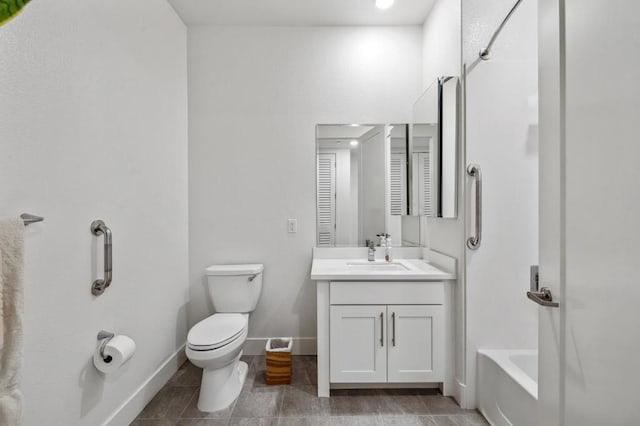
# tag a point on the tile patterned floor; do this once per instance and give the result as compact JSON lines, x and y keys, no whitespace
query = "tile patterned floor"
{"x":297,"y":404}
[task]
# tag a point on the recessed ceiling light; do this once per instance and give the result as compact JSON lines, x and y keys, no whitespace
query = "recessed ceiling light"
{"x":353,"y":142}
{"x":384,"y":4}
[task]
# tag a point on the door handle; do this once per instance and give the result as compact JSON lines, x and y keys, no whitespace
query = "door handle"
{"x":381,"y":330}
{"x":543,"y":297}
{"x":393,"y":328}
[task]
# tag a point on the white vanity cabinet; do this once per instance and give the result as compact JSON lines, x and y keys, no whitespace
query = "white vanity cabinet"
{"x":386,"y":343}
{"x":357,"y":348}
{"x":384,"y":324}
{"x":372,"y":342}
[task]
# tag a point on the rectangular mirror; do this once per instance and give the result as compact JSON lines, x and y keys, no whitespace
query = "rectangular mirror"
{"x":361,"y":183}
{"x":433,"y":151}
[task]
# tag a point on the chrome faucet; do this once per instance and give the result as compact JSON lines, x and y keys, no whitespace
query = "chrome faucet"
{"x":372,"y":252}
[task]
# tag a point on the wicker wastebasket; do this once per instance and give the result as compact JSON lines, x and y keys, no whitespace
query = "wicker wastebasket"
{"x":278,"y":360}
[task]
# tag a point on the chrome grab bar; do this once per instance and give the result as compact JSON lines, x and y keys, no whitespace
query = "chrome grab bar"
{"x":99,"y":285}
{"x":543,"y":297}
{"x":381,"y":330}
{"x":473,"y":170}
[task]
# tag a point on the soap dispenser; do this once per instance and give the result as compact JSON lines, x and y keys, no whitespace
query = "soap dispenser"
{"x":387,"y":248}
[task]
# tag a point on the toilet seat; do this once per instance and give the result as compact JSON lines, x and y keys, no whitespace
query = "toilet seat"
{"x":216,"y":331}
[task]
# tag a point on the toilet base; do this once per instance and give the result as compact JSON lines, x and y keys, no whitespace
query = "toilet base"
{"x":220,"y":387}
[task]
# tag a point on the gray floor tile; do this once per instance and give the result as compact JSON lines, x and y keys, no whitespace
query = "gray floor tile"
{"x":355,"y":421}
{"x":259,"y":402}
{"x":304,"y":370}
{"x":253,"y":421}
{"x":406,"y":421}
{"x":405,"y":401}
{"x":471,"y":419}
{"x":202,"y":422}
{"x":439,"y":404}
{"x":298,"y":405}
{"x":187,"y":375}
{"x":360,"y":402}
{"x":169,"y":403}
{"x":153,"y":422}
{"x":302,"y":400}
{"x":192,"y":411}
{"x":303,"y":421}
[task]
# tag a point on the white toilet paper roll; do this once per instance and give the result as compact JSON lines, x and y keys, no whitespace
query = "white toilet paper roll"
{"x":118,"y":351}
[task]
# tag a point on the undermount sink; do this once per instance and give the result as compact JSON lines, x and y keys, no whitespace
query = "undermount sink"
{"x":376,"y":266}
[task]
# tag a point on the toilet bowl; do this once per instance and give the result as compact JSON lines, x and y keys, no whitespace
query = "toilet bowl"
{"x":215,"y":343}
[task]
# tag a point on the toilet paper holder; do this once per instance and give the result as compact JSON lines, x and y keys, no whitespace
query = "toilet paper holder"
{"x":104,"y":337}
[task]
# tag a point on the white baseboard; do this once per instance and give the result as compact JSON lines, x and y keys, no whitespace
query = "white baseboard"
{"x":129,"y":409}
{"x":462,"y":395}
{"x":301,"y":346}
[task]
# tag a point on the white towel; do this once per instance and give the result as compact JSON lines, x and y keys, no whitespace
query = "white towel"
{"x":11,"y":266}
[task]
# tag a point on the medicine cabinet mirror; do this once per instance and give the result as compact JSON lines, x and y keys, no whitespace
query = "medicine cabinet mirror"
{"x":362,"y":184}
{"x":433,"y":151}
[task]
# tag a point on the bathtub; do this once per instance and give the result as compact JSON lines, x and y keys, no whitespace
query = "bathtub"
{"x":508,"y":386}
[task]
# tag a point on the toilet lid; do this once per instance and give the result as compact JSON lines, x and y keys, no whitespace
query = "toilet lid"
{"x":216,"y":331}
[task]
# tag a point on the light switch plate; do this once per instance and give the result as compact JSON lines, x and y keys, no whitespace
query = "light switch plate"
{"x":292,"y":225}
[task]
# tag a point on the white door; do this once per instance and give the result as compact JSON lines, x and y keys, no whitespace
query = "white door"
{"x":415,"y":343}
{"x":326,"y":199}
{"x":357,"y":345}
{"x":589,"y":212}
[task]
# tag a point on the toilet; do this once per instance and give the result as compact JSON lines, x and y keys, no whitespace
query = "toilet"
{"x":215,"y":343}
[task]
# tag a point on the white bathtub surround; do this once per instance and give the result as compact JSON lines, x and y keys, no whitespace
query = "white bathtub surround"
{"x":508,"y":386}
{"x":95,"y":127}
{"x":501,"y":137}
{"x":11,"y":312}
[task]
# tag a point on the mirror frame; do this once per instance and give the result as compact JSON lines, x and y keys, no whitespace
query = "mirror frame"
{"x":444,"y":117}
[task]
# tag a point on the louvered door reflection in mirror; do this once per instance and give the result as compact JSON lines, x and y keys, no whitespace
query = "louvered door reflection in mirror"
{"x":361,"y":182}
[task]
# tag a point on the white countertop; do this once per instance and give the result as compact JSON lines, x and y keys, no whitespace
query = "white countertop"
{"x":356,"y":270}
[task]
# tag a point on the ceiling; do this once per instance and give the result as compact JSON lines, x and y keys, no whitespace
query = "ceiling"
{"x":301,"y":12}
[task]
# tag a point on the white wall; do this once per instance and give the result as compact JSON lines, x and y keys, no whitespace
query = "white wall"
{"x":441,"y":47}
{"x":266,"y":89}
{"x":501,"y":136}
{"x":93,"y":100}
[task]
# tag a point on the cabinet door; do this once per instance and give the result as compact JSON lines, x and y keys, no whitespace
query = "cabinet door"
{"x":416,"y":343}
{"x":358,"y":347}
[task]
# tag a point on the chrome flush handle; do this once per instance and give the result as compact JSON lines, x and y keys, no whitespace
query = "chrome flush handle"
{"x":543,"y":297}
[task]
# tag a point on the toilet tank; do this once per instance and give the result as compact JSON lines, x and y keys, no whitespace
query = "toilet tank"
{"x":234,"y":288}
